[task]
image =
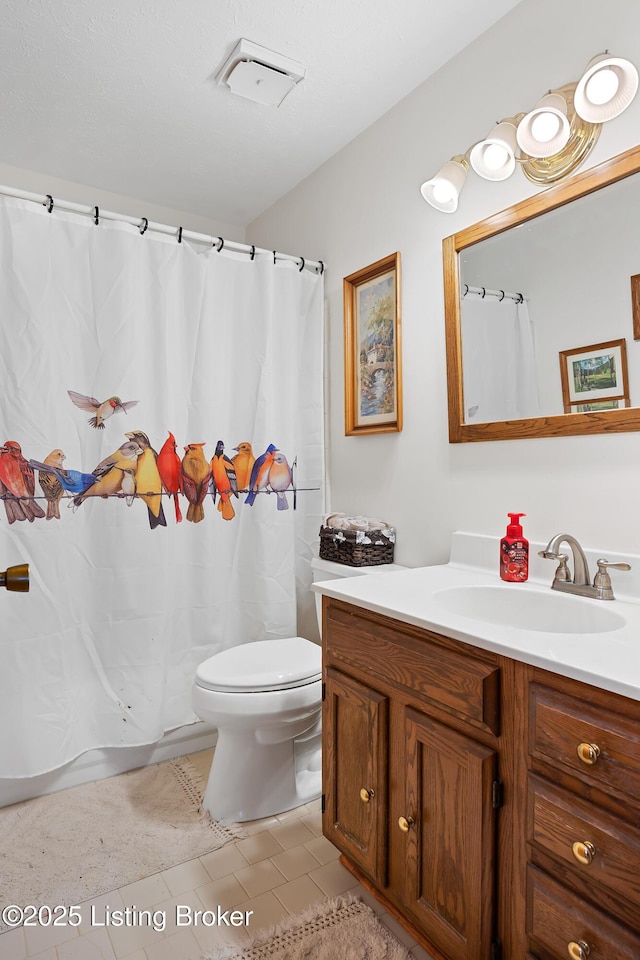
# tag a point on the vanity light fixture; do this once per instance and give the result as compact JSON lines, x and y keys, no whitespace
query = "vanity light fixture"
{"x":550,"y":141}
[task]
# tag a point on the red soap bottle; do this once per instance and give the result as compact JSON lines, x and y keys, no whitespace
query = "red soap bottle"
{"x":514,"y":552}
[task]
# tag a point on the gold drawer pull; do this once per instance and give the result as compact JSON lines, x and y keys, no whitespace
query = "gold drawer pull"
{"x":584,"y":852}
{"x":588,"y":753}
{"x":366,"y":795}
{"x":579,"y":950}
{"x":405,"y":823}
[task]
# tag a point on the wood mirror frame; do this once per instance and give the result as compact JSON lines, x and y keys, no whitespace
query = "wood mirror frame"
{"x":563,"y":425}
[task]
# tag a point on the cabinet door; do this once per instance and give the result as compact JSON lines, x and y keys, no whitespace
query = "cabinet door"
{"x":450,"y":840}
{"x":354,"y":771}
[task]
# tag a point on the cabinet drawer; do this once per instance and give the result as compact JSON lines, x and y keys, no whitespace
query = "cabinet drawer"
{"x":557,"y":820}
{"x":562,"y":728}
{"x":556,"y":918}
{"x":415,"y":661}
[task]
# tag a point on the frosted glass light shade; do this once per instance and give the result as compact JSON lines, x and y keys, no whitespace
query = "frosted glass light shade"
{"x":605,"y":89}
{"x":494,"y":157}
{"x":545,"y":130}
{"x":443,"y":190}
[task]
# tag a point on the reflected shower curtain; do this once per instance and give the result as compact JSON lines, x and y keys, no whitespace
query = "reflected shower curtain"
{"x":498,"y":360}
{"x":112,"y":344}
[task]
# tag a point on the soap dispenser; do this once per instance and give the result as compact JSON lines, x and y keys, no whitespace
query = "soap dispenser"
{"x":514,"y":552}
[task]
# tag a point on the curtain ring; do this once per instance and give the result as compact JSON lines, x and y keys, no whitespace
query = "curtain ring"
{"x":466,"y":289}
{"x":49,"y":205}
{"x":502,"y":297}
{"x":483,"y":292}
{"x":301,"y":268}
{"x":144,"y":223}
{"x":321,"y":267}
{"x":253,"y":251}
{"x":274,"y":258}
{"x":96,"y":216}
{"x":521,"y":298}
{"x":221,"y":245}
{"x":179,"y":234}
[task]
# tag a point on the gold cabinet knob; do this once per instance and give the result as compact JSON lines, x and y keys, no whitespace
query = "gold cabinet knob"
{"x":583,"y":851}
{"x":366,"y":795}
{"x":578,"y":950}
{"x":588,"y":753}
{"x":405,"y":823}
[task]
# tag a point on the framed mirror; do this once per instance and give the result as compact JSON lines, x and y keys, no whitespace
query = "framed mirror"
{"x":539,"y":303}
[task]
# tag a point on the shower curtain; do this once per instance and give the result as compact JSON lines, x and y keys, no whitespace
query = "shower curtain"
{"x":134,"y":370}
{"x":498,"y":360}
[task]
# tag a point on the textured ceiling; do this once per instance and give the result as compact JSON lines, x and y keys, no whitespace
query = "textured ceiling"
{"x":122,"y":95}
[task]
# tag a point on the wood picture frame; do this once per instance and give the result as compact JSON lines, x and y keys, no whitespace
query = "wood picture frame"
{"x":372,"y":349}
{"x":594,"y":375}
{"x":635,"y":305}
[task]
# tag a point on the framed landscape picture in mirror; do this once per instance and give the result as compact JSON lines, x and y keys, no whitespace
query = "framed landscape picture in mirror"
{"x":594,"y":377}
{"x":372,"y":349}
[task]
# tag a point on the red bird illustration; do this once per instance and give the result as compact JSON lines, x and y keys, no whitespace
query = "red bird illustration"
{"x":18,"y":484}
{"x":223,"y":481}
{"x":196,"y":474}
{"x":170,"y":470}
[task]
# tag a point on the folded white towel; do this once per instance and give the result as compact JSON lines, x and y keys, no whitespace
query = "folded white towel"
{"x":339,"y":521}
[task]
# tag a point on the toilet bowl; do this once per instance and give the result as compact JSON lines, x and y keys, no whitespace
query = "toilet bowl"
{"x":265,"y":698}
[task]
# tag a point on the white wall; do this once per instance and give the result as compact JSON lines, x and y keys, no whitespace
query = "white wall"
{"x":36,"y":182}
{"x":364,"y":203}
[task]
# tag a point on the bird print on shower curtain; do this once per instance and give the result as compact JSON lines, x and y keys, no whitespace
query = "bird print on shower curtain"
{"x":170,"y":470}
{"x":196,"y":474}
{"x":112,"y":472}
{"x":147,"y":478}
{"x":223,"y":481}
{"x":243,"y":464}
{"x":17,"y":484}
{"x":280,"y":478}
{"x":50,"y":485}
{"x":260,"y":474}
{"x":101,"y":411}
{"x":71,"y":481}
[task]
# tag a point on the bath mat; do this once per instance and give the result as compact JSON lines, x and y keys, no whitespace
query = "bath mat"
{"x":85,"y":841}
{"x":344,"y":928}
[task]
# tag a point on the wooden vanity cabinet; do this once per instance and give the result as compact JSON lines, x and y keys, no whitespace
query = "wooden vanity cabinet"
{"x":411,"y":778}
{"x":583,"y":822}
{"x":493,"y":807}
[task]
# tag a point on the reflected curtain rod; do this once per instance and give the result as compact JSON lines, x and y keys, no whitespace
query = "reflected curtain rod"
{"x":486,"y":292}
{"x":97,"y":213}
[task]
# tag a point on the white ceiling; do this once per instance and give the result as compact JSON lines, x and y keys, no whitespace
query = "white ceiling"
{"x":121,"y":95}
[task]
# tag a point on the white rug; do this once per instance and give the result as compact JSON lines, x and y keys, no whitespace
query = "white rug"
{"x":83,"y":842}
{"x":339,"y":929}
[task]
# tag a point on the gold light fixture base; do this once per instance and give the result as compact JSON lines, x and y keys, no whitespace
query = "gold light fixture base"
{"x":582,"y":140}
{"x":16,"y":578}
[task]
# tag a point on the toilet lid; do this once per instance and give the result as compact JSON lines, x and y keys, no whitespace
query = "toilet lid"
{"x":263,"y":665}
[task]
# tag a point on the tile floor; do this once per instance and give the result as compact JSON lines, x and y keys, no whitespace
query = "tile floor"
{"x":283,"y":866}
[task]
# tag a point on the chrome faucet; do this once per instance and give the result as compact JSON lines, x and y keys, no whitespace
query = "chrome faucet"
{"x":580,"y":584}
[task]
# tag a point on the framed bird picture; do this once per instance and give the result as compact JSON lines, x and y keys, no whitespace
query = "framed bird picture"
{"x":372,"y":349}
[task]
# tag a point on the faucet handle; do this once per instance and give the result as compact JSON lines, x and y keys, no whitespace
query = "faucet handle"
{"x":562,"y":571}
{"x":602,"y":580}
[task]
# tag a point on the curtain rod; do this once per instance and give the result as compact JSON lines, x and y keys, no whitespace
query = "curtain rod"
{"x":486,"y":292}
{"x":97,"y":213}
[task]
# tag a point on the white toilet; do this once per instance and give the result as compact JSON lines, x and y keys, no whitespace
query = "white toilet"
{"x":265,"y":698}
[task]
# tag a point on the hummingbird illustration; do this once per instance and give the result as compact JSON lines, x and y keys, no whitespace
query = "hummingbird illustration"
{"x":101,"y":411}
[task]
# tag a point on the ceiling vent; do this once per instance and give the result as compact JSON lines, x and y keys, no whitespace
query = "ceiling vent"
{"x":259,"y":74}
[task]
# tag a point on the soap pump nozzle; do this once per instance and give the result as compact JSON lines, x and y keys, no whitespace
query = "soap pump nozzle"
{"x":514,"y":529}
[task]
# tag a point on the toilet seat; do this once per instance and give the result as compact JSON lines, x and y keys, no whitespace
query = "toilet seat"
{"x":263,"y":665}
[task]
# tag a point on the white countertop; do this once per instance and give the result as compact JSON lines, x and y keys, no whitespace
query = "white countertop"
{"x":609,"y":660}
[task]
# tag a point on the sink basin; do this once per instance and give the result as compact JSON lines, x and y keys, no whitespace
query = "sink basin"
{"x":530,"y":610}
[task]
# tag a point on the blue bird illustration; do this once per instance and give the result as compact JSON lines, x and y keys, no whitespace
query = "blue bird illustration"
{"x":72,"y":481}
{"x":260,"y":473}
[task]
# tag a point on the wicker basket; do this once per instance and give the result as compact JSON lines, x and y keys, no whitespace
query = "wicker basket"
{"x":357,"y":548}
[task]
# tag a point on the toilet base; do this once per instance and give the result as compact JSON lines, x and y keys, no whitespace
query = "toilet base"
{"x":250,"y":781}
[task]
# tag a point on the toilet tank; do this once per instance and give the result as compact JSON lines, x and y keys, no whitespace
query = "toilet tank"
{"x":330,"y":570}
